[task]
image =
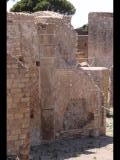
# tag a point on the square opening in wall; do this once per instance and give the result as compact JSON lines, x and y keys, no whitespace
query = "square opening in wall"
{"x":37,"y":63}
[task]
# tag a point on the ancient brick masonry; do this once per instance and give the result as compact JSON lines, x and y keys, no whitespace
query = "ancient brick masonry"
{"x":48,"y":97}
{"x":100,"y":39}
{"x":100,"y":43}
{"x":22,"y":44}
{"x":80,"y":112}
{"x":18,"y":108}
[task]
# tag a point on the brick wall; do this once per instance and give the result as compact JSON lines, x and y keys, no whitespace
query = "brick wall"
{"x":66,"y":40}
{"x":100,"y":76}
{"x":100,"y":42}
{"x":53,"y":42}
{"x":56,"y":50}
{"x":22,"y":42}
{"x":46,"y":46}
{"x":77,"y":99}
{"x":100,"y":39}
{"x":18,"y":110}
{"x":25,"y":35}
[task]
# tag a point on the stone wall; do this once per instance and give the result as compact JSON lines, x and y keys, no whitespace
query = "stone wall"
{"x":100,"y":76}
{"x":52,"y":40}
{"x":47,"y":97}
{"x":100,"y":39}
{"x":62,"y":101}
{"x":78,"y":103}
{"x":29,"y":38}
{"x":66,"y":43}
{"x":74,"y":88}
{"x":71,"y":101}
{"x":56,"y":51}
{"x":100,"y":43}
{"x":18,"y":111}
{"x":22,"y":42}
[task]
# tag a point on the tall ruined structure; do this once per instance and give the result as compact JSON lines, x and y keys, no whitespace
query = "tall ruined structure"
{"x":22,"y":83}
{"x":48,"y":97}
{"x":100,"y":43}
{"x":100,"y":40}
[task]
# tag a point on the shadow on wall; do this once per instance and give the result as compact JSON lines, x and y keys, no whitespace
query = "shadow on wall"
{"x":68,"y":148}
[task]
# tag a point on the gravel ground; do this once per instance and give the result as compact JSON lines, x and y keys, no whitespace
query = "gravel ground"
{"x":78,"y":149}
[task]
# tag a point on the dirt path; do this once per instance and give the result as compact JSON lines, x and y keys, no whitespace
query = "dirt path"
{"x":78,"y":149}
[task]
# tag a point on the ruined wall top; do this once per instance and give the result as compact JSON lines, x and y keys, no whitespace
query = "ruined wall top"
{"x":103,"y":14}
{"x":17,"y":16}
{"x":100,"y":39}
{"x":48,"y":14}
{"x":26,"y":30}
{"x":37,"y":16}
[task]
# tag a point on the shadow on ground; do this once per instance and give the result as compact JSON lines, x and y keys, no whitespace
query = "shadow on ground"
{"x":68,"y":148}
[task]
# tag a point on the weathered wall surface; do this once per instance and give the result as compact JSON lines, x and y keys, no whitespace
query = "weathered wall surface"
{"x":22,"y":42}
{"x":77,"y":104}
{"x":100,"y":40}
{"x":62,"y":101}
{"x":30,"y":37}
{"x":18,"y":111}
{"x":66,"y":42}
{"x":52,"y":40}
{"x":56,"y":50}
{"x":82,"y":48}
{"x":100,"y":76}
{"x":54,"y":97}
{"x":47,"y":97}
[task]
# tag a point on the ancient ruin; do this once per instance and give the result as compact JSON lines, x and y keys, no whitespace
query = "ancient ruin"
{"x":50,"y":96}
{"x":100,"y":44}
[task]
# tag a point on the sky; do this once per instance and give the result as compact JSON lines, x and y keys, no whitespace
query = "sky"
{"x":83,"y":7}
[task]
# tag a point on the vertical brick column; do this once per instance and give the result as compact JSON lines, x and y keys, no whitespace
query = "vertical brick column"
{"x":47,"y":46}
{"x":18,"y":109}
